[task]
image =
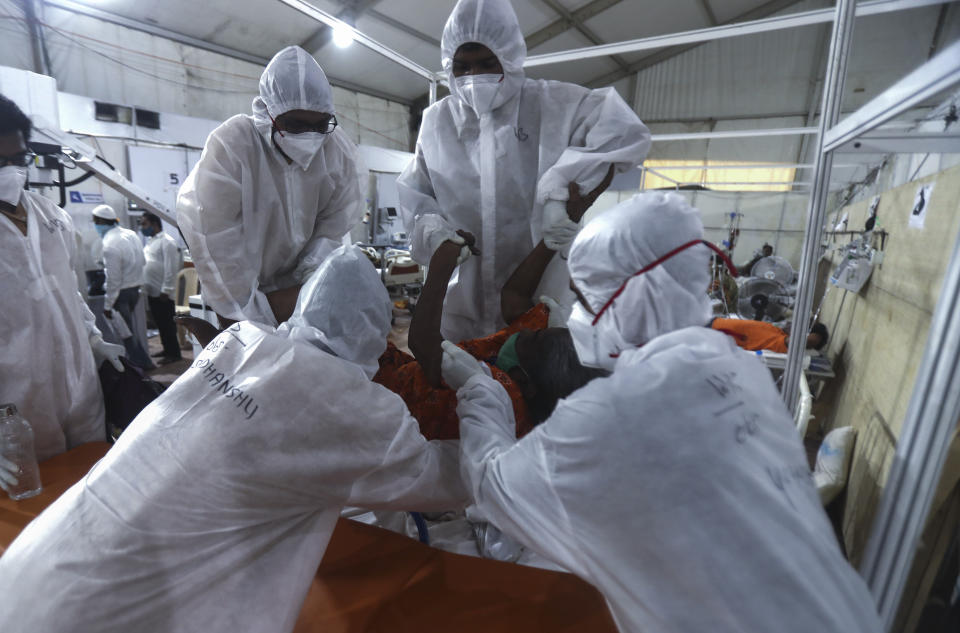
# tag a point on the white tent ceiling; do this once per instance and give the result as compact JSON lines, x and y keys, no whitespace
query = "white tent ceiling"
{"x":788,"y":62}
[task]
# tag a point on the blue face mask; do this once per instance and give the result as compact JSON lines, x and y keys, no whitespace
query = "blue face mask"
{"x":102,"y":229}
{"x":148,"y":231}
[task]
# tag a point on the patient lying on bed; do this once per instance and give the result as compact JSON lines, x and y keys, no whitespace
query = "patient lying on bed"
{"x":538,"y":367}
{"x":536,"y":364}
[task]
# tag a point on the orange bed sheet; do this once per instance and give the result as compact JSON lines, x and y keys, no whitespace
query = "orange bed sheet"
{"x":375,"y":580}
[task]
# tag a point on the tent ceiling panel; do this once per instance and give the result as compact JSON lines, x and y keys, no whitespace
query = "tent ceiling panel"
{"x":413,"y":14}
{"x":419,"y":51}
{"x":579,"y":71}
{"x":884,"y":49}
{"x":726,"y":10}
{"x":253,"y":26}
{"x":365,"y":67}
{"x":628,"y":21}
{"x":765,"y":74}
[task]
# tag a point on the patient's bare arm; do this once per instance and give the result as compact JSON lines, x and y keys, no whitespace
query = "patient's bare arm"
{"x":425,"y":338}
{"x":516,"y":297}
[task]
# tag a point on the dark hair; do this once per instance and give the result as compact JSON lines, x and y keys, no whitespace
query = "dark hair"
{"x":555,"y":372}
{"x":12,"y":119}
{"x":152,"y":218}
{"x":821,"y":330}
{"x":469,"y":47}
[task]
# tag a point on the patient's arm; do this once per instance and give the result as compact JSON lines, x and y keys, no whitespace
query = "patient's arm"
{"x":516,"y":297}
{"x":424,"y":338}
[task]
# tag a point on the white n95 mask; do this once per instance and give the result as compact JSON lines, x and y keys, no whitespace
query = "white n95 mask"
{"x":301,"y":148}
{"x":597,"y":345}
{"x":12,"y":180}
{"x":483,"y":93}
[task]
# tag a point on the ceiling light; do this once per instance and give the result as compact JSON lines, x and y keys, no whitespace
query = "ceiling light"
{"x":342,"y":35}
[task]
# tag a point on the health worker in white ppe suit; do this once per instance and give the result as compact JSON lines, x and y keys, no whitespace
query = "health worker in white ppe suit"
{"x":51,"y":347}
{"x":123,"y":265}
{"x":678,"y":485}
{"x":502,"y":157}
{"x":214,"y":508}
{"x":272,"y":194}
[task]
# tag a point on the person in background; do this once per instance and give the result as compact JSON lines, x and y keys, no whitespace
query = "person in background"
{"x":163,"y":262}
{"x":507,"y":159}
{"x":214,"y":508}
{"x":765,"y":251}
{"x":50,"y":347}
{"x":678,"y":485}
{"x":757,"y":335}
{"x":123,"y":264}
{"x":272,"y":194}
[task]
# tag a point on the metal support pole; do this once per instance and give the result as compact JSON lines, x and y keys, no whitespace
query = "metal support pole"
{"x":840,"y":41}
{"x":433,"y":91}
{"x":41,"y":64}
{"x":931,"y":418}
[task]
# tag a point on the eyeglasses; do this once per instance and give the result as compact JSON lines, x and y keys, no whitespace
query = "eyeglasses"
{"x":296,"y":126}
{"x":18,"y":160}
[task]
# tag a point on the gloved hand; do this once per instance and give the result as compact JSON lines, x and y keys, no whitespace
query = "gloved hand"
{"x":557,"y":228}
{"x":458,"y":365}
{"x":8,"y":474}
{"x":439,"y":237}
{"x":103,"y":351}
{"x":558,"y":314}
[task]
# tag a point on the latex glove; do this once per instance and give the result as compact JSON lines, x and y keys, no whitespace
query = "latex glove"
{"x":557,"y":228}
{"x":8,"y":474}
{"x":558,"y":314}
{"x":439,"y":237}
{"x":103,"y":351}
{"x":458,"y":365}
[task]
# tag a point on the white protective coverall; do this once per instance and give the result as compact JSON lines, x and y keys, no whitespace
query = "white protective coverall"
{"x":123,"y":263}
{"x":163,"y":262}
{"x":46,"y":367}
{"x":213,"y":510}
{"x":491,"y":175}
{"x":255,"y":223}
{"x":677,"y":485}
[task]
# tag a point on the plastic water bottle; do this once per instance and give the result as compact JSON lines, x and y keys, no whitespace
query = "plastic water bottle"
{"x":16,"y":445}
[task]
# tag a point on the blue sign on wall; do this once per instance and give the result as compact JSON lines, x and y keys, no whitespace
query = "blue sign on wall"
{"x":86,"y":198}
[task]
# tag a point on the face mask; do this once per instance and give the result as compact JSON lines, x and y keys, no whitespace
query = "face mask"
{"x":301,"y":148}
{"x":148,"y":231}
{"x":483,"y":93}
{"x":102,"y":229}
{"x":585,"y":338}
{"x":12,"y":180}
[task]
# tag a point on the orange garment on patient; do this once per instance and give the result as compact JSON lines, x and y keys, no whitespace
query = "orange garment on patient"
{"x":753,"y":335}
{"x":436,"y":408}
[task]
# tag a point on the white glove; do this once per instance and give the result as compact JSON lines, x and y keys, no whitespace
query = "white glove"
{"x":8,"y":474}
{"x":558,"y":229}
{"x":103,"y":351}
{"x":458,"y":365}
{"x":558,"y":315}
{"x":439,"y":237}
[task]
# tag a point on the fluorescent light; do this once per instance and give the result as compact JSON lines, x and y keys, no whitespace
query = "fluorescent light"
{"x":342,"y":35}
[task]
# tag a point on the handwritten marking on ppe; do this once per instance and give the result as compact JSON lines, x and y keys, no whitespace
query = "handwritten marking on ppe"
{"x":725,"y":383}
{"x":235,"y":328}
{"x":748,"y":427}
{"x":53,"y":224}
{"x":728,"y":409}
{"x":220,"y":383}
